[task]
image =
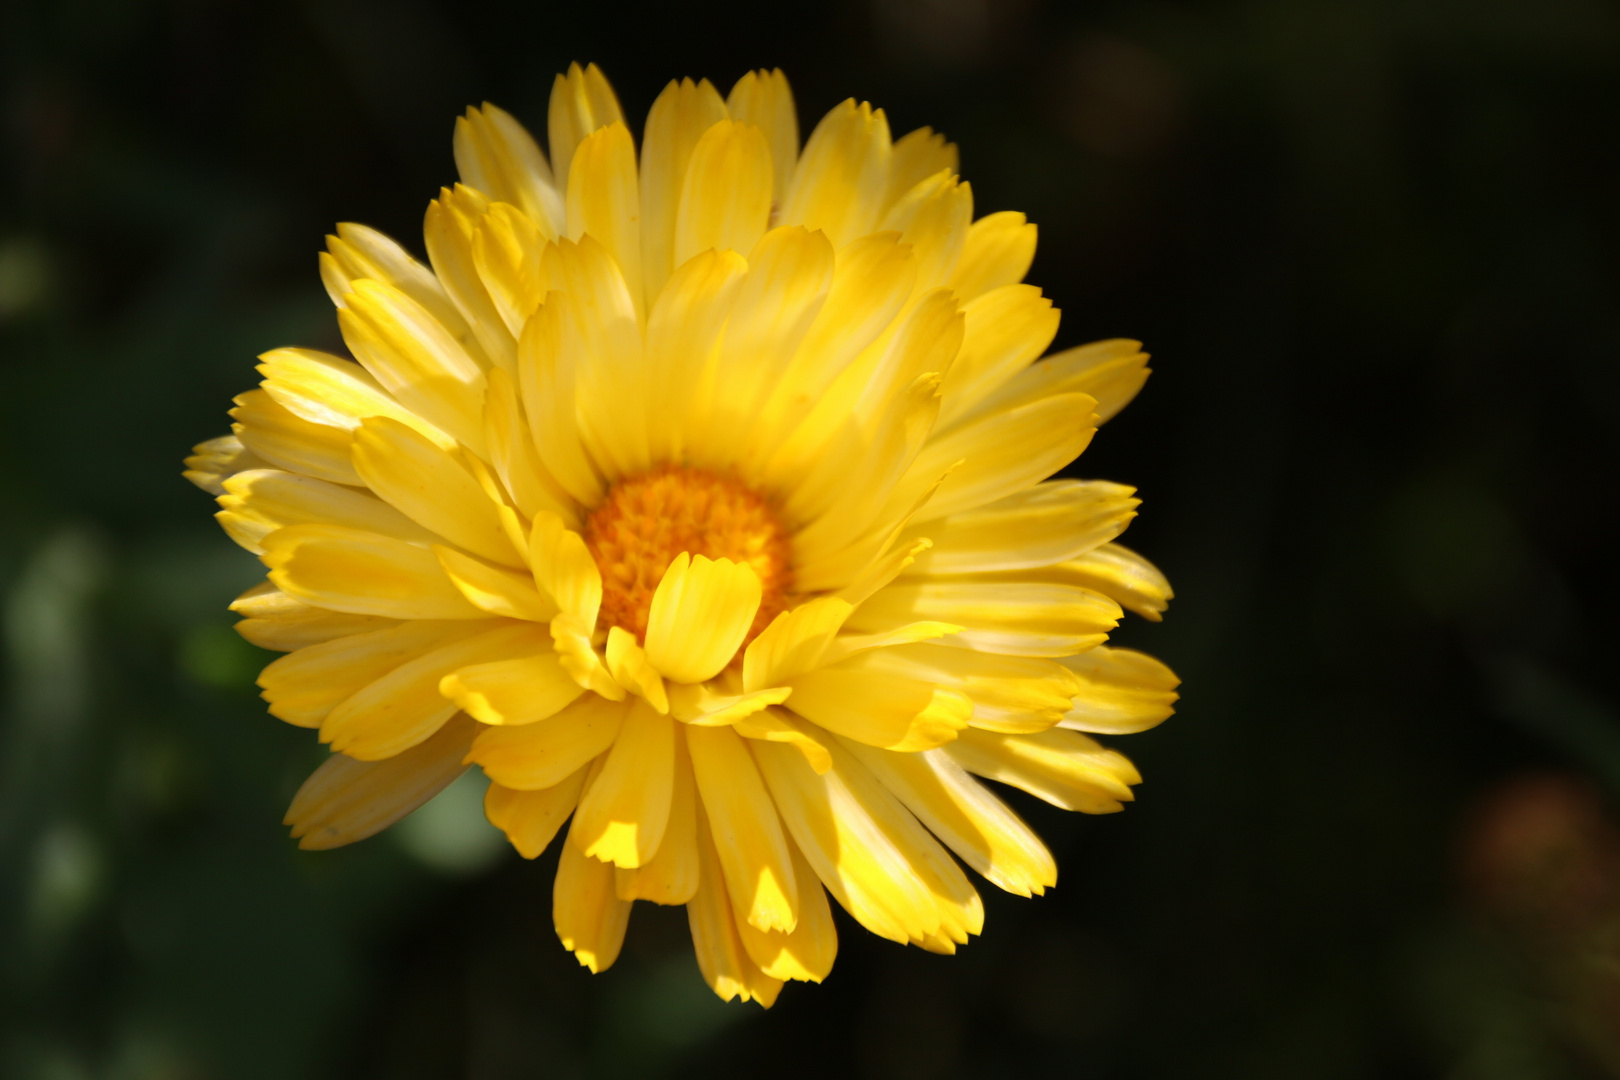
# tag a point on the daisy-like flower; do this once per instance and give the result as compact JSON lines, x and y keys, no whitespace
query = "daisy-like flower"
{"x":701,"y":500}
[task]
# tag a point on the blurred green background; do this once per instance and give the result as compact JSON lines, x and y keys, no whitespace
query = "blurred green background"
{"x":1373,"y":247}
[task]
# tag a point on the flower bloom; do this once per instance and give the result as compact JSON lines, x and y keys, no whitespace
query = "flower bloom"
{"x":700,"y":498}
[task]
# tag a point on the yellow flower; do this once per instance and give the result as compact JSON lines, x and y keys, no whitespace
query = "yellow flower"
{"x":703,"y":499}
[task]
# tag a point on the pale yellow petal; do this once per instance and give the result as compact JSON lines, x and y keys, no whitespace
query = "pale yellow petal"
{"x":846,"y":645}
{"x":404,"y":707}
{"x":213,"y":462}
{"x":678,"y":118}
{"x":1004,"y":331}
{"x":880,"y":709}
{"x":776,"y":725}
{"x":622,"y":817}
{"x":701,"y":706}
{"x":528,"y":757}
{"x":304,"y":686}
{"x":363,"y":574}
{"x":1016,"y":694}
{"x":682,"y":331}
{"x":1003,"y":453}
{"x":965,"y":816}
{"x":604,"y":200}
{"x":586,"y":911}
{"x":700,"y":614}
{"x":581,"y":102}
{"x":548,"y":357}
{"x":1124,"y":691}
{"x":793,"y":643}
{"x":917,"y":156}
{"x":672,"y":875}
{"x":839,"y":183}
{"x":571,"y":637}
{"x":726,"y":194}
{"x":1018,"y":619}
{"x":310,"y":625}
{"x":415,"y":359}
{"x":628,"y":664}
{"x":358,"y":251}
{"x":522,"y":690}
{"x":933,"y":217}
{"x":512,"y":452}
{"x":496,"y":155}
{"x":452,"y":220}
{"x":1110,"y":371}
{"x":1063,"y":767}
{"x":497,"y":591}
{"x":721,"y":957}
{"x":762,"y":98}
{"x":431,"y":487}
{"x":257,"y":502}
{"x":508,"y":252}
{"x":748,"y":837}
{"x":285,"y":440}
{"x":808,"y":952}
{"x":347,"y":800}
{"x":564,"y":569}
{"x":531,"y":819}
{"x":1120,"y":573}
{"x":998,"y":252}
{"x":326,"y":389}
{"x":1042,"y":525}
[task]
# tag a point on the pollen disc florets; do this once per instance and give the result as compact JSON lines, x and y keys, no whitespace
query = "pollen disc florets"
{"x":649,"y":519}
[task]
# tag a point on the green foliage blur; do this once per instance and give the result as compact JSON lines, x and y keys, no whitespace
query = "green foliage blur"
{"x":1372,"y":245}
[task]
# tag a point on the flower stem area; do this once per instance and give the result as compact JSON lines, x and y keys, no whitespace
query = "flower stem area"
{"x":1371,"y":249}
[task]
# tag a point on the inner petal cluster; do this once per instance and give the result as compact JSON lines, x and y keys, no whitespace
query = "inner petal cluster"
{"x":648,"y":520}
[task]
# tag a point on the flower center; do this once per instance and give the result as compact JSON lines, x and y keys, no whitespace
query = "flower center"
{"x":649,"y":519}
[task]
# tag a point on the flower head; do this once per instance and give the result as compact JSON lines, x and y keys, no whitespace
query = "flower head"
{"x":700,"y":497}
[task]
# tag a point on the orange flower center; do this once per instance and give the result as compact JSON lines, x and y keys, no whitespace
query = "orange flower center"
{"x":649,"y":519}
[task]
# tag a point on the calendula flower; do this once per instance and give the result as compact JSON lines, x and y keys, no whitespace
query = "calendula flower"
{"x":701,"y":499}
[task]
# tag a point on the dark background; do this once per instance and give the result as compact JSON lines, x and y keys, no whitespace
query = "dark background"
{"x":1372,"y":247}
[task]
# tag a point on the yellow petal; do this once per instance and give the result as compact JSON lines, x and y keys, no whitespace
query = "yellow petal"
{"x":748,"y":837}
{"x":808,"y":952}
{"x":685,"y":324}
{"x":326,"y":389}
{"x":721,"y":957}
{"x":622,"y":817}
{"x":726,"y":195}
{"x":700,"y":613}
{"x":1010,"y":693}
{"x":1110,"y":371}
{"x":600,"y":332}
{"x":452,"y":221}
{"x":431,"y":487}
{"x":310,"y":625}
{"x":1124,"y":691}
{"x":581,"y":102}
{"x":1018,"y":619}
{"x":933,"y":217}
{"x":547,"y":360}
{"x":363,"y":574}
{"x":571,"y":637}
{"x":589,"y":917}
{"x":529,"y":757}
{"x":1123,"y":575}
{"x":998,"y":252}
{"x":672,"y":875}
{"x":697,"y":704}
{"x":257,"y":502}
{"x":1003,"y":332}
{"x":519,"y":691}
{"x":564,"y":569}
{"x":762,"y":98}
{"x":530,"y":819}
{"x":213,"y":462}
{"x":508,"y":252}
{"x":604,"y":200}
{"x":962,"y":813}
{"x":846,"y":645}
{"x":416,"y":359}
{"x":512,"y":452}
{"x":839,"y":183}
{"x":628,"y":664}
{"x":1042,"y":525}
{"x":358,"y":251}
{"x":793,"y":643}
{"x":278,"y":437}
{"x":917,"y":156}
{"x":496,"y":155}
{"x":497,"y":591}
{"x":305,"y":685}
{"x":775,"y":725}
{"x":1063,"y":767}
{"x":404,"y":707}
{"x":880,"y":709}
{"x":347,"y":800}
{"x":678,"y":118}
{"x":1004,"y":453}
